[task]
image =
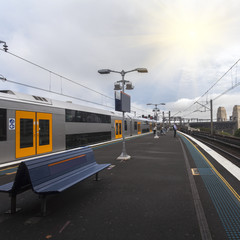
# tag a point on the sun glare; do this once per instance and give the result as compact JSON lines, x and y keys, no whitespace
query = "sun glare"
{"x":192,"y":34}
{"x":187,"y":32}
{"x":188,"y":36}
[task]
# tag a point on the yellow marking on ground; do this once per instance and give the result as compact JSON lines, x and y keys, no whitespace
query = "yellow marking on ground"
{"x":11,"y":173}
{"x":4,"y":169}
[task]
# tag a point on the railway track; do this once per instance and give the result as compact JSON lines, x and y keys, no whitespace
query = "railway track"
{"x":226,"y":146}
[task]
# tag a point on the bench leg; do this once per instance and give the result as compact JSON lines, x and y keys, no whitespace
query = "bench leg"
{"x":13,"y":204}
{"x":13,"y":208}
{"x":96,"y":177}
{"x":43,"y":205}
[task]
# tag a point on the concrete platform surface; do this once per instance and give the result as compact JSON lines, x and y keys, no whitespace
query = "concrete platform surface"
{"x":146,"y":197}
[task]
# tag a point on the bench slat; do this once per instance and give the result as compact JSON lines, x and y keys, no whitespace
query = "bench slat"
{"x":53,"y":174}
{"x":6,"y":187}
{"x":69,"y":179}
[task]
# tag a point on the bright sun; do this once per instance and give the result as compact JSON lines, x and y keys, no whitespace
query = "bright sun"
{"x":192,"y":34}
{"x":183,"y":33}
{"x":187,"y":33}
{"x":190,"y":37}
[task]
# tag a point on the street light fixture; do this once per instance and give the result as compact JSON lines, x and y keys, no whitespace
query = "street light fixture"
{"x":155,"y":110}
{"x":117,"y":86}
{"x":5,"y":47}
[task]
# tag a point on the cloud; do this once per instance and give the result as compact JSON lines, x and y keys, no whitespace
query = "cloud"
{"x":186,"y":46}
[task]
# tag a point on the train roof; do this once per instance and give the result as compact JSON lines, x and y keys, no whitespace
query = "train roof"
{"x":21,"y":97}
{"x":44,"y":101}
{"x":39,"y":100}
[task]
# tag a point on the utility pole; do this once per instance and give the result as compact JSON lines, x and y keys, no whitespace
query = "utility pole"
{"x":211,"y":112}
{"x":169,"y":115}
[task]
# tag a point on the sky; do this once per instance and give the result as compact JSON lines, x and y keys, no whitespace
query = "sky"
{"x":188,"y":46}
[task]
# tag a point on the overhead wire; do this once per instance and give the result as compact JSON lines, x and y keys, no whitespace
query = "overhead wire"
{"x":61,"y":77}
{"x":61,"y":94}
{"x":219,"y":79}
{"x":56,"y":74}
{"x":237,"y":84}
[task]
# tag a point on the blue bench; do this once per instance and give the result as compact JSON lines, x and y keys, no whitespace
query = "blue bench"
{"x":52,"y":174}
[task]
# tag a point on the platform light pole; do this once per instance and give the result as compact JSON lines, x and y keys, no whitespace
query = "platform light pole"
{"x":124,"y":155}
{"x":5,"y":47}
{"x":155,"y":110}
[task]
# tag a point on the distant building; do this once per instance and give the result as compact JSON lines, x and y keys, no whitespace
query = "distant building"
{"x":221,"y":114}
{"x":222,"y":124}
{"x":236,"y":115}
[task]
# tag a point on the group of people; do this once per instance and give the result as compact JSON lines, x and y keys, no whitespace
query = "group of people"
{"x":163,"y":130}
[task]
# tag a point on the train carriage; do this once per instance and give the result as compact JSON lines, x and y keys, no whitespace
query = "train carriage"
{"x":32,"y":125}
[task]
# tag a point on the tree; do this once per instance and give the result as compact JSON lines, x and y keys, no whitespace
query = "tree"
{"x":237,"y":133}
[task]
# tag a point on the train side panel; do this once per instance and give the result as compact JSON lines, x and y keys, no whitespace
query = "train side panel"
{"x":18,"y":112}
{"x":58,"y":128}
{"x":31,"y":125}
{"x":7,"y":144}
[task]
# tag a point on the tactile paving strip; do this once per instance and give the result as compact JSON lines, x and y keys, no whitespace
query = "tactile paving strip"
{"x":222,"y":195}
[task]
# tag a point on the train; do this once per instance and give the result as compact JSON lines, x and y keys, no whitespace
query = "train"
{"x":32,"y":125}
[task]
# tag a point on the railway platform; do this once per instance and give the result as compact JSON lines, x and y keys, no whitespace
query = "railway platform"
{"x":169,"y":189}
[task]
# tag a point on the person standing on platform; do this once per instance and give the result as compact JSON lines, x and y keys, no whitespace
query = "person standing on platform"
{"x":154,"y":130}
{"x":174,"y":129}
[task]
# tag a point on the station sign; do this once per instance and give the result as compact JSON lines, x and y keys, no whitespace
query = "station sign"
{"x":11,"y":123}
{"x":122,"y":102}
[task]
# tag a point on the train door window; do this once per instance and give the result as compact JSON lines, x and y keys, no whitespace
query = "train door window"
{"x":3,"y":124}
{"x":125,"y":125}
{"x":25,"y":134}
{"x":139,"y":128}
{"x":118,"y":128}
{"x":44,"y":132}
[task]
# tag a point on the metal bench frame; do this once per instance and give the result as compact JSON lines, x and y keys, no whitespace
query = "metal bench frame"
{"x":53,"y":174}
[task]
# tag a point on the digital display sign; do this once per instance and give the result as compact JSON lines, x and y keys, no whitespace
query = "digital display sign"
{"x":122,"y":102}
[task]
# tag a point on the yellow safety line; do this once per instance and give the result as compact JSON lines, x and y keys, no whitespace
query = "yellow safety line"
{"x":4,"y":169}
{"x":216,"y":171}
{"x":11,"y":173}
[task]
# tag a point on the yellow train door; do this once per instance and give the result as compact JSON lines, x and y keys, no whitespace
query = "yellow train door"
{"x":118,"y":128}
{"x":150,"y":127}
{"x":44,"y":132}
{"x":25,"y":134}
{"x":33,"y":133}
{"x":139,"y":128}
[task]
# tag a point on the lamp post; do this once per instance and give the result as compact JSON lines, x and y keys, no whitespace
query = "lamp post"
{"x":124,"y":155}
{"x":155,"y":110}
{"x":5,"y":47}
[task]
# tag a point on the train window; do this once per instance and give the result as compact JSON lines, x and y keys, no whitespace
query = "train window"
{"x":120,"y":128}
{"x":125,"y":125}
{"x":77,"y":140}
{"x":26,"y":133}
{"x":135,"y":126}
{"x":43,"y":132}
{"x":145,"y":130}
{"x":3,"y":124}
{"x":80,"y":116}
